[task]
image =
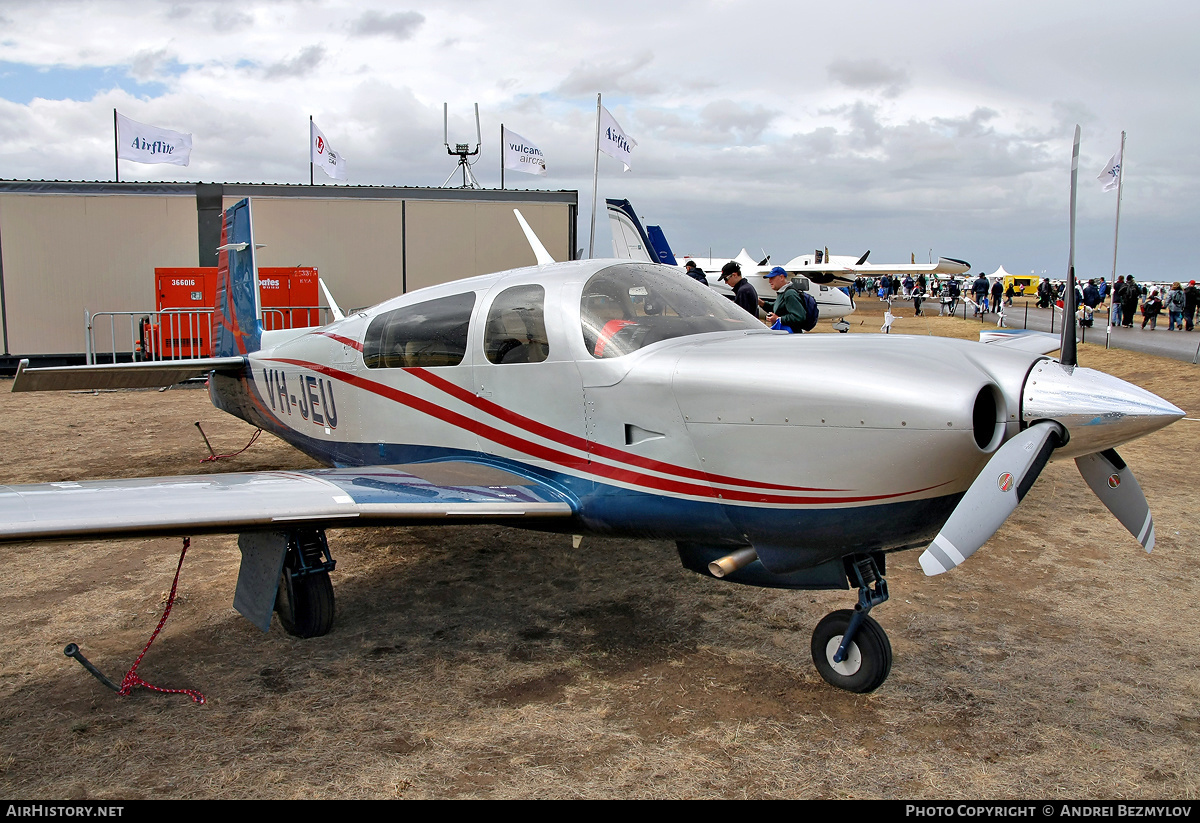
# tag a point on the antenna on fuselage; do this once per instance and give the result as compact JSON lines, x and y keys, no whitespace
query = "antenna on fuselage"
{"x":462,"y":151}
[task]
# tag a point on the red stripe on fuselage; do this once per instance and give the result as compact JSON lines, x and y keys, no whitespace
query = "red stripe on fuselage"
{"x":615,"y":473}
{"x":349,"y":341}
{"x":599,"y":449}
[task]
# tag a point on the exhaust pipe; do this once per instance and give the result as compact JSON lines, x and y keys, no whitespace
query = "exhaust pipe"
{"x":732,"y":562}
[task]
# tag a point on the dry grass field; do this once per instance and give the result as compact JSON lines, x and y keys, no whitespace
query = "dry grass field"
{"x":1061,"y":662}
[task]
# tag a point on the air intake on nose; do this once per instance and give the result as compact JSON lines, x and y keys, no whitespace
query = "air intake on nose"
{"x":986,"y":421}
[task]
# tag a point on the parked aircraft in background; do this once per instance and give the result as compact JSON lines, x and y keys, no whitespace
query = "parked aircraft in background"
{"x":822,"y":267}
{"x":632,"y":242}
{"x":609,"y":397}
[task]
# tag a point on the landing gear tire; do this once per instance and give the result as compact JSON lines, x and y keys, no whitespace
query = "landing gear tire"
{"x":868,"y":660}
{"x":305,"y":604}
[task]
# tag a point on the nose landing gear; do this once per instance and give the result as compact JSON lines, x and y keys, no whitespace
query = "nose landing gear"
{"x":849,"y":648}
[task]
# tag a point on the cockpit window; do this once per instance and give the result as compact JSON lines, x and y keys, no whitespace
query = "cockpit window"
{"x":516,"y":326}
{"x":433,"y":333}
{"x":626,"y":308}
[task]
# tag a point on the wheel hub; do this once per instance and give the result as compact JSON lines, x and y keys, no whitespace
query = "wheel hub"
{"x":853,"y":661}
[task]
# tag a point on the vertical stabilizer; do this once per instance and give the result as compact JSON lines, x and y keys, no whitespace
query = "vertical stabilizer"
{"x":629,"y":238}
{"x":237,"y":319}
{"x":658,"y":241}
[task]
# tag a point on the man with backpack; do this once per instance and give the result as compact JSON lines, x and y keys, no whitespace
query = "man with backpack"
{"x":794,"y":310}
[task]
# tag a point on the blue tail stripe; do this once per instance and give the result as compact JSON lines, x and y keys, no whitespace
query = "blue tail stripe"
{"x":237,"y":325}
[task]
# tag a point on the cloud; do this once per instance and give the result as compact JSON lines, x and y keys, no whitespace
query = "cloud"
{"x":149,"y":65}
{"x":730,"y":117}
{"x":612,"y":77}
{"x":401,"y":25}
{"x":304,"y":63}
{"x":869,"y":74}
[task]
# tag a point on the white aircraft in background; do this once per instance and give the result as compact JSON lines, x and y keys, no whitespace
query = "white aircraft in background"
{"x":632,"y":242}
{"x":822,"y":267}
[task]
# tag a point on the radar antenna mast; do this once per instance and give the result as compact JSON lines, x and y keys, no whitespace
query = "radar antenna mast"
{"x":462,"y":151}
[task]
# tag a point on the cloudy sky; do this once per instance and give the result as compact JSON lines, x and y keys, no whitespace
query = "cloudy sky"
{"x":922,"y":127}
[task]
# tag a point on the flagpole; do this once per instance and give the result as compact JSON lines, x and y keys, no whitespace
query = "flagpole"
{"x":595,"y":179}
{"x":501,"y":157}
{"x":310,"y":162}
{"x":1117,"y":227}
{"x":117,"y":152}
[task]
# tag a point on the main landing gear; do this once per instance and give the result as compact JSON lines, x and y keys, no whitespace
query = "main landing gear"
{"x":849,"y":648}
{"x":304,"y":601}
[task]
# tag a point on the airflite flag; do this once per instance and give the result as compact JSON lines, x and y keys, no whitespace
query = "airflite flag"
{"x":613,"y":140}
{"x":1111,"y":176}
{"x":521,"y":155}
{"x":150,"y":144}
{"x":323,"y":155}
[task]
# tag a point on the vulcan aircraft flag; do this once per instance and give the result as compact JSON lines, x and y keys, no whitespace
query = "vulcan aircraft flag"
{"x":521,"y":155}
{"x":150,"y":144}
{"x":1111,"y":176}
{"x":613,"y":140}
{"x":322,"y":154}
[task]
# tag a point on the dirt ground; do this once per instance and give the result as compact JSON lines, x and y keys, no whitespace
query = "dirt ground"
{"x":1060,"y":662}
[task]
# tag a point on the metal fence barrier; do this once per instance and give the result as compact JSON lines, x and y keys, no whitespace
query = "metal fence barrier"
{"x":174,"y":334}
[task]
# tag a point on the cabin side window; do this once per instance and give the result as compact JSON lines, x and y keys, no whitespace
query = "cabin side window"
{"x":433,"y":333}
{"x":516,"y":326}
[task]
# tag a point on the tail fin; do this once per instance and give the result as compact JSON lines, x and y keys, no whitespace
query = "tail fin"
{"x":237,"y":320}
{"x":659,"y":241}
{"x":629,"y":238}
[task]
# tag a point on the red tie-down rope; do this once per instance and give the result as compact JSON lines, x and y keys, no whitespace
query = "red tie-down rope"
{"x":213,"y":456}
{"x":131,"y":680}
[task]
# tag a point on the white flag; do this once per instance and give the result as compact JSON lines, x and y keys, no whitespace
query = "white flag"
{"x":613,"y":140}
{"x":1111,"y":176}
{"x":521,"y":155}
{"x":149,"y":144}
{"x":323,"y":155}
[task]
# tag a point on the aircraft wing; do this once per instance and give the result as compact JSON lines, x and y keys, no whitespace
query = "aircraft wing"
{"x":1036,"y":342}
{"x":246,"y":501}
{"x":846,"y":273}
{"x":149,"y":375}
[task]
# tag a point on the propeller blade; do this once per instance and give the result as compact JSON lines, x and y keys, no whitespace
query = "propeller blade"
{"x":1113,"y":482}
{"x":993,"y":496}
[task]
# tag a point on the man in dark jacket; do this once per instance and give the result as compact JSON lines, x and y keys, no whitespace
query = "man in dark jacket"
{"x":744,"y":293}
{"x":789,"y":308}
{"x":1129,"y":301}
{"x":1189,"y":304}
{"x":695,"y":272}
{"x":980,"y":289}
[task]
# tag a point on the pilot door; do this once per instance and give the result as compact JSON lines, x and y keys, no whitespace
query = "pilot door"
{"x":527,"y":382}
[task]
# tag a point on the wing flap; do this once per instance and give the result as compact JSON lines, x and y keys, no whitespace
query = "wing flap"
{"x":150,"y":375}
{"x":245,"y":501}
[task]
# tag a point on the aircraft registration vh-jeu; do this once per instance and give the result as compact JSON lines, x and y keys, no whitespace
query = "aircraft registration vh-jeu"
{"x":609,"y":397}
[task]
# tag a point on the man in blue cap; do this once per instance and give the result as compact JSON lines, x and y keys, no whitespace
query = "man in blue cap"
{"x":789,"y":308}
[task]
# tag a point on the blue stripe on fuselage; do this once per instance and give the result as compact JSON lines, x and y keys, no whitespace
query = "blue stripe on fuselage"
{"x":807,"y":536}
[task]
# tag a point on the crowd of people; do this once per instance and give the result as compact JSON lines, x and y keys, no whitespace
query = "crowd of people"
{"x":1125,"y":299}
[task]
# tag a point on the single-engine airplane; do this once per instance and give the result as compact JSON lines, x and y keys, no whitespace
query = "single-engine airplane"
{"x":611,"y":397}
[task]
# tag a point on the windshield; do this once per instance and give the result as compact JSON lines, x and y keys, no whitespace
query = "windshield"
{"x":626,"y":308}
